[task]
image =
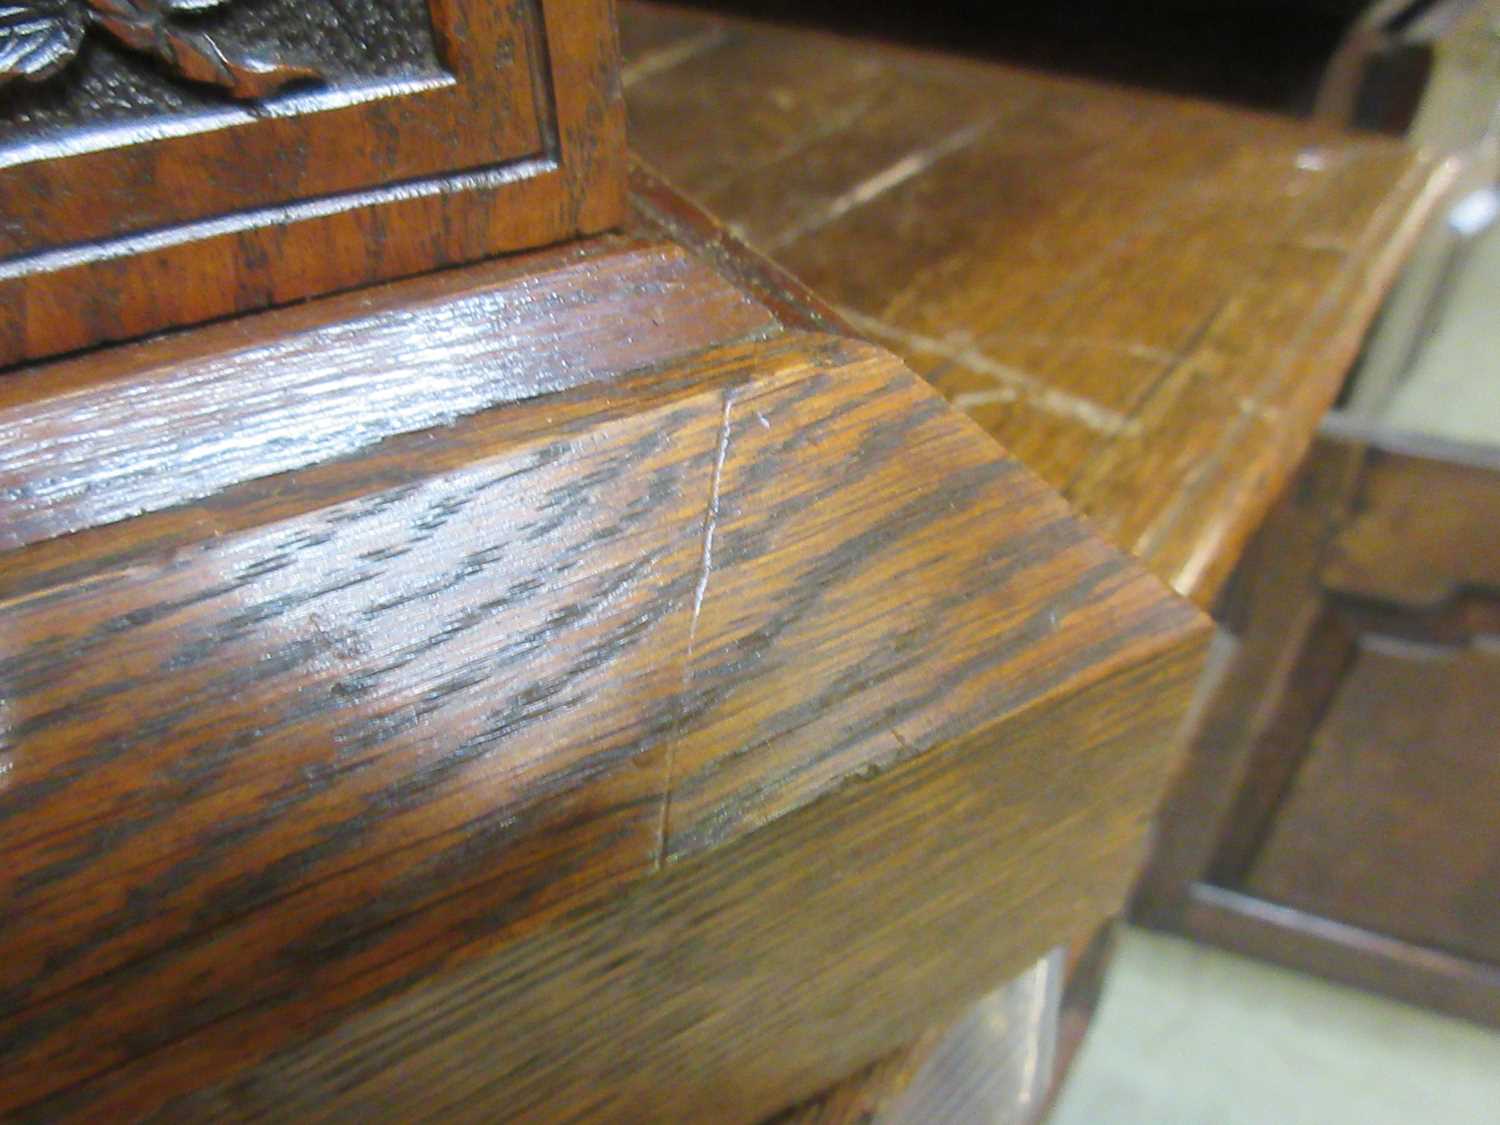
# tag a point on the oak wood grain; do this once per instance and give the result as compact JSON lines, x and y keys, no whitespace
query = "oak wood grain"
{"x":1150,"y":301}
{"x":796,"y":955}
{"x":327,"y":744}
{"x":173,"y":420}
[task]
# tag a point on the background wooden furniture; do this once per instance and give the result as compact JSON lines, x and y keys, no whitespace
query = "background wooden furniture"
{"x":1455,"y":113}
{"x":1339,"y":813}
{"x":1149,"y":301}
{"x":586,"y":683}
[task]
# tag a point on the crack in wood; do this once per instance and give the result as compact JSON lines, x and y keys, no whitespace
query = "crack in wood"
{"x":705,"y":566}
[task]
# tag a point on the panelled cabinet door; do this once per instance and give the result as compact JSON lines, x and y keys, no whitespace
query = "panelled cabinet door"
{"x":163,"y":162}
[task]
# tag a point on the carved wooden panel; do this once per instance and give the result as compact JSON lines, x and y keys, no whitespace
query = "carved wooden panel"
{"x":167,"y":161}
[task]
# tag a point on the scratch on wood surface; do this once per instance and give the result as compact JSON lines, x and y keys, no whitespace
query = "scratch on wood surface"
{"x":892,"y":176}
{"x":1271,"y":415}
{"x":971,"y":400}
{"x":1015,"y":384}
{"x":705,"y":567}
{"x":710,"y":525}
{"x":678,"y":53}
{"x":906,"y":750}
{"x":823,"y":126}
{"x":1087,"y":343}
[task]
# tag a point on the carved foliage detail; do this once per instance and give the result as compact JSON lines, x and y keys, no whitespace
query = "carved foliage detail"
{"x":40,"y":37}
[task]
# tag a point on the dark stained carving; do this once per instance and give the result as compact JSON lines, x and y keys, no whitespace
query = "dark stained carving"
{"x":135,"y":202}
{"x":354,"y":45}
{"x":37,"y":40}
{"x":40,"y":37}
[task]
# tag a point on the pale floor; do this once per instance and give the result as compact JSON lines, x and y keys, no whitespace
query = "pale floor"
{"x":1454,"y":389}
{"x":1187,"y":1035}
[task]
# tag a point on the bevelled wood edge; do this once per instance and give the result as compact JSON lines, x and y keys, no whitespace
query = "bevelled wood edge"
{"x":263,"y":377}
{"x":142,"y":427}
{"x":1199,"y":539}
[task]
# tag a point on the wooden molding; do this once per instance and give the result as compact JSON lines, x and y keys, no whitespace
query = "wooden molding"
{"x":510,"y":136}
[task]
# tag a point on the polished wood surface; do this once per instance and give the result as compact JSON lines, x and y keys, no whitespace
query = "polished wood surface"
{"x":436,"y":134}
{"x":1149,"y":301}
{"x":1337,"y":812}
{"x":174,"y":420}
{"x":576,"y":685}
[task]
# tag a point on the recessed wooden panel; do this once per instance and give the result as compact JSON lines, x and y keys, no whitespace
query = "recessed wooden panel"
{"x":1427,"y":527}
{"x":1339,"y":812}
{"x":1393,"y":823}
{"x":170,"y":166}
